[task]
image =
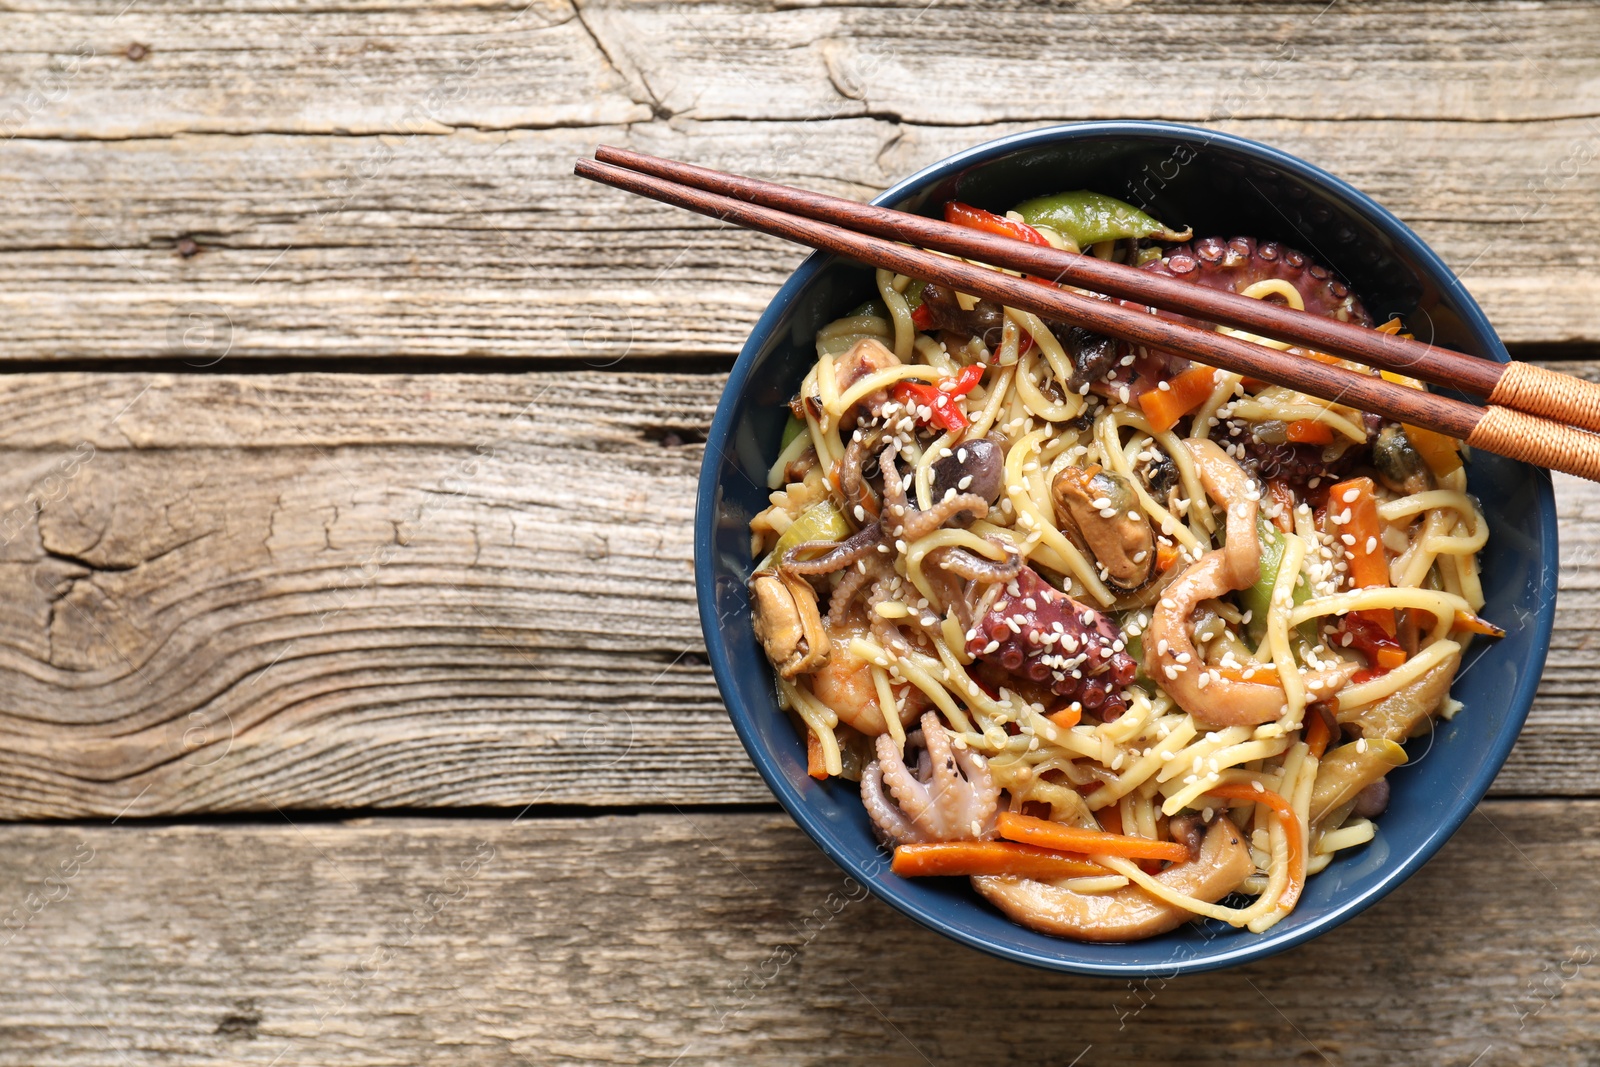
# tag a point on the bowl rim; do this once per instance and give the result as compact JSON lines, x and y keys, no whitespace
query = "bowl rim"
{"x":725,"y":419}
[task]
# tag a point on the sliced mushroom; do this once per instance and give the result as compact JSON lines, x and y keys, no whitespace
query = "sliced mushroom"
{"x":1399,"y":464}
{"x":787,"y":623}
{"x":1129,"y":913}
{"x":1092,"y":355}
{"x":1099,"y":512}
{"x":985,"y":320}
{"x":1345,"y":771}
{"x":976,"y":467}
{"x":1406,"y":711}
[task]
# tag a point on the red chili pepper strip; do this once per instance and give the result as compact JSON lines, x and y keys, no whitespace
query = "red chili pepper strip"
{"x":942,"y":411}
{"x":975,"y":218}
{"x":939,"y":399}
{"x":964,"y":382}
{"x":1383,"y":652}
{"x":922,"y":317}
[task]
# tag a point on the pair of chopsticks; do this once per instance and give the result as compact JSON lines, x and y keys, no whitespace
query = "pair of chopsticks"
{"x":1529,"y":413}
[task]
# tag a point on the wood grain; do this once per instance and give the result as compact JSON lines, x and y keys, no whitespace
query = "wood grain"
{"x":395,"y":182}
{"x":726,"y":939}
{"x":345,"y":590}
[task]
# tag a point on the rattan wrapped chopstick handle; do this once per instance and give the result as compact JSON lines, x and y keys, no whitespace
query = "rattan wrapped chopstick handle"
{"x":1534,"y":440}
{"x":1549,"y":393}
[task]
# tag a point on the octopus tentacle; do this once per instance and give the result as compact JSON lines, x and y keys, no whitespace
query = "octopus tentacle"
{"x":894,"y":490}
{"x":839,"y":554}
{"x":908,"y":792}
{"x":949,"y":795}
{"x":891,"y":822}
{"x":852,"y":481}
{"x":922,"y":523}
{"x":887,"y":633}
{"x":1042,"y":634}
{"x":1240,"y":262}
{"x":901,"y":520}
{"x":976,"y":568}
{"x":856,"y":579}
{"x":963,"y":792}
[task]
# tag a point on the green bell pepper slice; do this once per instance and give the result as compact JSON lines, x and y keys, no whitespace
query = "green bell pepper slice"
{"x":1257,"y":599}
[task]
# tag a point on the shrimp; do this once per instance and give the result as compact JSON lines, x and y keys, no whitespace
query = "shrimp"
{"x":1170,"y":654}
{"x":845,"y":685}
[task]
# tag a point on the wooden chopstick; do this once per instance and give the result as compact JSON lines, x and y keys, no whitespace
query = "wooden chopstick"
{"x":1517,"y":385}
{"x":1494,"y":428}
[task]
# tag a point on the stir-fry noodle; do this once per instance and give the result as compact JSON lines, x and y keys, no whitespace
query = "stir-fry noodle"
{"x":1047,"y":596}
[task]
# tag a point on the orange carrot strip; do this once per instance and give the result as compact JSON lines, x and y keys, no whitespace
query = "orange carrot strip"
{"x":1308,"y":432}
{"x":1440,"y":453}
{"x":816,"y":765}
{"x":1067,"y":717}
{"x":1466,"y":620}
{"x":1166,"y":556}
{"x":1368,"y":560}
{"x":1164,"y":407}
{"x":1368,"y":567}
{"x":967,"y":858}
{"x":1291,"y":830}
{"x":1046,"y":834}
{"x":1258,"y":675}
{"x":1390,"y":658}
{"x":1317,"y":735}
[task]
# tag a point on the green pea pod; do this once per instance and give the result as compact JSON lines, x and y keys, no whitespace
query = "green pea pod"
{"x":1258,"y":598}
{"x":820,"y":522}
{"x":1089,"y":218}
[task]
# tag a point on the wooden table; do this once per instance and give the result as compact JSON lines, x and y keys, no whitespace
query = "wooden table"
{"x":354,"y":709}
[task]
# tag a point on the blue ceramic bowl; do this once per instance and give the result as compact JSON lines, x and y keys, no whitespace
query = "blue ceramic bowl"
{"x":1219,"y":185}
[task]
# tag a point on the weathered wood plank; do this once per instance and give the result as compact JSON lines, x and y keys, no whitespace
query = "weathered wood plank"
{"x":726,"y":939}
{"x":337,"y":591}
{"x":364,"y":68}
{"x":380,"y":183}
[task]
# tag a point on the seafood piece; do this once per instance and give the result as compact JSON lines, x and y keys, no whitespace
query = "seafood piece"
{"x":937,"y":792}
{"x":1170,"y":654}
{"x":1234,"y":265}
{"x":844,"y":683}
{"x":1099,"y":512}
{"x":787,"y":623}
{"x":1042,"y":634}
{"x":866,"y":356}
